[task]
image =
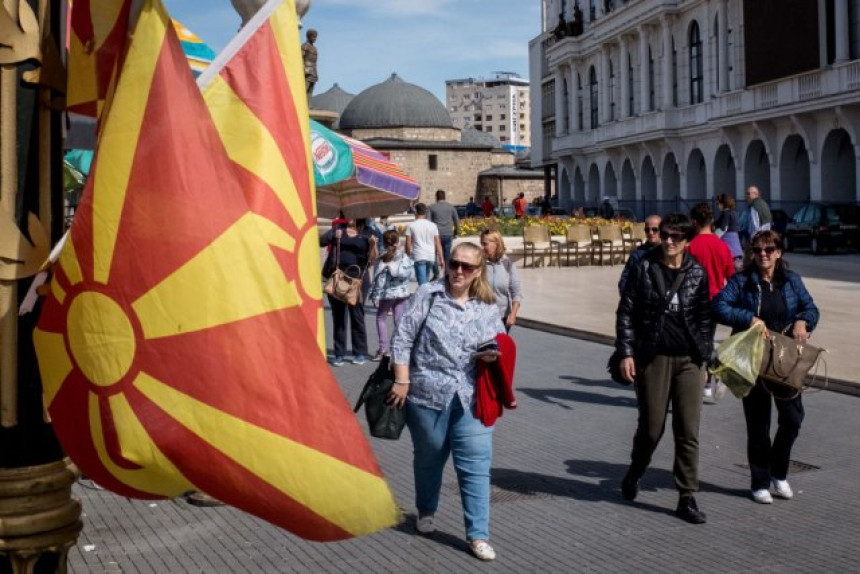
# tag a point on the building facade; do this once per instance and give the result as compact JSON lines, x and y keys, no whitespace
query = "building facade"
{"x":498,"y":106}
{"x":659,"y":104}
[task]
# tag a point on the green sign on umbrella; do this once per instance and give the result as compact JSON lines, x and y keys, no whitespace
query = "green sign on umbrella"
{"x":331,"y":154}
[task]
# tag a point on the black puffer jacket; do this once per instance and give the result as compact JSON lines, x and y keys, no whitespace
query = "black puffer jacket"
{"x":639,"y":318}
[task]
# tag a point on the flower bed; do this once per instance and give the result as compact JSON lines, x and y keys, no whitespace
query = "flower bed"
{"x":510,"y":227}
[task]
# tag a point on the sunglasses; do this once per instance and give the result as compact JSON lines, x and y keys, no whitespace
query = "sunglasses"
{"x":652,"y":230}
{"x":454,"y":265}
{"x":675,"y":237}
{"x":759,"y":250}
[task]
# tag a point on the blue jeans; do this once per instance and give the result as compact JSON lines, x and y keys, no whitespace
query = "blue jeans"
{"x":435,"y":434}
{"x":422,"y":271}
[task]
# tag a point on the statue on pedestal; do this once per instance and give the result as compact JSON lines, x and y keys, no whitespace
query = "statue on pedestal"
{"x":309,"y":57}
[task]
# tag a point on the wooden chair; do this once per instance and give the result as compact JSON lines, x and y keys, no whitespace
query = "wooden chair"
{"x":611,"y":242}
{"x":636,"y":236}
{"x":537,"y":241}
{"x":578,"y":239}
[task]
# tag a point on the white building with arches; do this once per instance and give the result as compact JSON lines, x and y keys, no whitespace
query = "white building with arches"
{"x":659,"y":104}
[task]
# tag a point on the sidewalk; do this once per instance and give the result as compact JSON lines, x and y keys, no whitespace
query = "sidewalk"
{"x":581,"y":302}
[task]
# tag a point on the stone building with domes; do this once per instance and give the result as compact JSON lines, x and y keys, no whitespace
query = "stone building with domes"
{"x":334,"y":100}
{"x":412,"y":127}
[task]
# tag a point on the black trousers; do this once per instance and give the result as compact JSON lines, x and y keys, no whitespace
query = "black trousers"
{"x":340,"y":313}
{"x":768,"y":459}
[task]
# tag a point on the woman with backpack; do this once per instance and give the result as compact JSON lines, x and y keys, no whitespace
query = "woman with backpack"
{"x":390,"y":289}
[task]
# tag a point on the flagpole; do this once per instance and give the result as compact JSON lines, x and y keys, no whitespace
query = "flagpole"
{"x":39,"y":519}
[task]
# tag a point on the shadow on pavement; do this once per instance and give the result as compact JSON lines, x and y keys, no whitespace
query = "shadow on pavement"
{"x":607,"y":383}
{"x":407,"y":526}
{"x":560,"y":396}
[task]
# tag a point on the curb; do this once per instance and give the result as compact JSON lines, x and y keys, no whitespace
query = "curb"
{"x":836,"y":385}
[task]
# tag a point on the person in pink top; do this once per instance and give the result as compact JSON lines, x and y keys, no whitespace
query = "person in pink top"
{"x":715,"y":256}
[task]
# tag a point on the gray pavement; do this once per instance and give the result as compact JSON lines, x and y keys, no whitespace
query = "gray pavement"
{"x":556,"y":505}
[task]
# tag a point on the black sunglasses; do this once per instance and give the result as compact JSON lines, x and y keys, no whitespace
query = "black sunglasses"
{"x":453,"y":265}
{"x":769,"y":250}
{"x":652,"y":230}
{"x":675,"y":237}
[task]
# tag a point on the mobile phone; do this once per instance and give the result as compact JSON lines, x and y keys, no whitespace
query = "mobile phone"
{"x":490,"y":345}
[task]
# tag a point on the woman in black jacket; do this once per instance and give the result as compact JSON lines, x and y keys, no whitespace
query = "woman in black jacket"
{"x":664,"y":333}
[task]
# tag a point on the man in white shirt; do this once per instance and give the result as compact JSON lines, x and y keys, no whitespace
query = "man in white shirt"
{"x":423,"y":244}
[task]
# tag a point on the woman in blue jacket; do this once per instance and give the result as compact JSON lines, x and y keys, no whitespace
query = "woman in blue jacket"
{"x":768,"y":294}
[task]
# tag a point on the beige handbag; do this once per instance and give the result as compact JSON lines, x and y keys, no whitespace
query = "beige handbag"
{"x":786,"y":362}
{"x":343,"y":287}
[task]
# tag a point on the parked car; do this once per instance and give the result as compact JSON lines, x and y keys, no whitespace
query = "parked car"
{"x":822,"y":226}
{"x":780,"y":220}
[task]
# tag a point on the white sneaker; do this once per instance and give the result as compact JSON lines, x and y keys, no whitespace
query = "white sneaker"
{"x":762,"y":496}
{"x":708,"y":395}
{"x":425,"y":525}
{"x":782,"y":489}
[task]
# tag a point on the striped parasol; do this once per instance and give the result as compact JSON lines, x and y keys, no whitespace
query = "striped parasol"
{"x":356,"y":179}
{"x":199,"y":55}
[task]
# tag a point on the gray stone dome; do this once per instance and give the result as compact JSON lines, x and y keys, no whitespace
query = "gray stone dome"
{"x":473,"y":137}
{"x":334,"y":100}
{"x":395,"y":103}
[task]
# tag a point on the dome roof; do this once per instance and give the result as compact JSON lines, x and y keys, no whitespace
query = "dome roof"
{"x":471,"y":136}
{"x":395,"y":103}
{"x":334,"y":100}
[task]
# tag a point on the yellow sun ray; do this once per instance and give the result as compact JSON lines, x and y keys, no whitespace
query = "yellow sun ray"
{"x":233,"y":268}
{"x":54,"y":362}
{"x":69,"y":263}
{"x":123,"y":126}
{"x":58,"y":291}
{"x":250,"y":144}
{"x":275,"y":235}
{"x":302,"y":473}
{"x":136,"y":446}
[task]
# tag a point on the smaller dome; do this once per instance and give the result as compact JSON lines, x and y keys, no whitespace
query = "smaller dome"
{"x":395,"y":103}
{"x":473,"y":137}
{"x":334,"y":100}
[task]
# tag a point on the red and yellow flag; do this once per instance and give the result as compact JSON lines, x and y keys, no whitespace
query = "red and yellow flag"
{"x":98,"y":33}
{"x":255,"y":92}
{"x":174,"y":350}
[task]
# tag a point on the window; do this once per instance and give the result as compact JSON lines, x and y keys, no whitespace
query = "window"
{"x":502,"y":128}
{"x":592,"y":82}
{"x":631,"y":103}
{"x":611,"y":91}
{"x":651,"y":103}
{"x":489,"y":129}
{"x":503,"y":139}
{"x":717,"y":52}
{"x":433,"y":161}
{"x":503,"y":117}
{"x":579,"y":100}
{"x":548,"y":99}
{"x":696,"y":86}
{"x":489,"y":118}
{"x":674,"y":74}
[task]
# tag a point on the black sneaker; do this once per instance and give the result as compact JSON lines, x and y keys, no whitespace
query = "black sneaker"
{"x":689,"y":511}
{"x":630,"y":486}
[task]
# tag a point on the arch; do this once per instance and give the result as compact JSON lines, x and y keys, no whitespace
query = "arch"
{"x":593,"y":189}
{"x":578,"y":187}
{"x":757,"y":168}
{"x":628,"y":181}
{"x":794,"y":170}
{"x":610,"y":181}
{"x":649,"y":179}
{"x":697,"y":177}
{"x":724,"y":172}
{"x":564,"y":190}
{"x":694,"y":38}
{"x":838,"y":167}
{"x":671,"y":178}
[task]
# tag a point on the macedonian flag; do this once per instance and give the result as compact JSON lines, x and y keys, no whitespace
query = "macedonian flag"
{"x":255,"y":91}
{"x":173,"y":348}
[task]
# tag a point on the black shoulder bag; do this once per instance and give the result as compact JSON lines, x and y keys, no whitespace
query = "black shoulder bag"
{"x":384,"y":420}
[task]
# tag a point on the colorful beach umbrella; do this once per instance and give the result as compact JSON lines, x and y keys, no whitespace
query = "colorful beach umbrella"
{"x":198,"y":53}
{"x":356,"y":179}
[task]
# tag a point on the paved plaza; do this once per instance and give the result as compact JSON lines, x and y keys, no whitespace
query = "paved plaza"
{"x":556,"y":504}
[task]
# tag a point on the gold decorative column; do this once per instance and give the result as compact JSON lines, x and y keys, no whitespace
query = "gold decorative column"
{"x":39,"y":519}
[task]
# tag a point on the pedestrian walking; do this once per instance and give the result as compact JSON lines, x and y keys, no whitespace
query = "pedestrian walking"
{"x":435,"y":369}
{"x":716,"y":258}
{"x":768,"y":293}
{"x":502,"y":276}
{"x":759,"y":217}
{"x":652,"y":240}
{"x":520,"y":206}
{"x":727,"y":226}
{"x":390,"y":290}
{"x":444,"y":215}
{"x":352,"y":248}
{"x":423,"y":245}
{"x":663,"y":333}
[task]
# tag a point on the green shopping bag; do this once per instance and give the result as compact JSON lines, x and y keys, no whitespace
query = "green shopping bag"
{"x":739,"y":361}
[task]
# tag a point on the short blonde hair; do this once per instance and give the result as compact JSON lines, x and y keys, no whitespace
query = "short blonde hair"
{"x":496,"y":237}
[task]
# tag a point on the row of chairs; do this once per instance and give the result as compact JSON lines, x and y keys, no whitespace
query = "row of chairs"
{"x":605,"y":243}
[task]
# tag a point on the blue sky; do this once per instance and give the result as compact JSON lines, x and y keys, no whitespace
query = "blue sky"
{"x":361,"y":42}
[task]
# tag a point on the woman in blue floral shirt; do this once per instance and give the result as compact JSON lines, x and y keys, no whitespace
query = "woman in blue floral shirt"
{"x":435,"y":371}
